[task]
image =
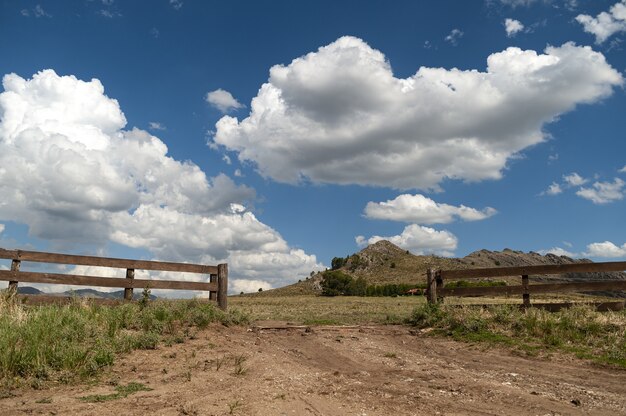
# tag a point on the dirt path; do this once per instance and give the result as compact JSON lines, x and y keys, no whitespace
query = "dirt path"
{"x":379,"y":370}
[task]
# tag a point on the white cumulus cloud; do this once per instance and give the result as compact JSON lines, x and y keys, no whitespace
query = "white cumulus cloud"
{"x":574,"y":179}
{"x":248,"y":285}
{"x":558,"y":251}
{"x":223,"y":100}
{"x":606,"y":249}
{"x":418,"y":240}
{"x":72,"y":173}
{"x":553,"y":189}
{"x":605,"y":24}
{"x":623,"y":170}
{"x":422,"y":210}
{"x":339,"y":115}
{"x":512,"y":27}
{"x":603,"y":192}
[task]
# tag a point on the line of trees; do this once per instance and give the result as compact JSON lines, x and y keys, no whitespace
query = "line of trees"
{"x":337,"y":283}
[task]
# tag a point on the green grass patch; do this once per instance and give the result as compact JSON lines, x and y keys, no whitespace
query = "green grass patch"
{"x":62,"y":343}
{"x":121,"y":392}
{"x":580,"y":330}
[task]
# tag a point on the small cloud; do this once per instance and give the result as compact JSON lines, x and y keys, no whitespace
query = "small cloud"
{"x":554,"y":157}
{"x":1,"y":228}
{"x":36,"y":11}
{"x":418,"y":240}
{"x":512,"y":27}
{"x":427,"y":44}
{"x":605,"y":24}
{"x":553,"y":189}
{"x":558,"y":251}
{"x":108,"y":2}
{"x":603,"y":192}
{"x":40,"y":12}
{"x":155,"y":125}
{"x":223,"y":100}
{"x":238,"y":173}
{"x":422,"y":210}
{"x":623,"y":170}
{"x":605,"y":249}
{"x":154,"y":32}
{"x":227,"y":160}
{"x":176,"y":4}
{"x":574,"y":179}
{"x":454,"y":36}
{"x":109,"y":14}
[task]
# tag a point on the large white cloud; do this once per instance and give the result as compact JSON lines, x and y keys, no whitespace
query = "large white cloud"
{"x":339,"y":115}
{"x":606,"y":249}
{"x":418,"y":240}
{"x":73,"y":174}
{"x":422,"y":210}
{"x":604,"y":192}
{"x":605,"y":24}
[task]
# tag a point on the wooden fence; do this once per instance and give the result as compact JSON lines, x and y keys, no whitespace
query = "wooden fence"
{"x":436,"y":291}
{"x":217,"y":285}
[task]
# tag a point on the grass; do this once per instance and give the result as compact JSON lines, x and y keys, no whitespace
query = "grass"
{"x":580,"y":330}
{"x":76,"y":341}
{"x":121,"y":392}
{"x":318,"y":310}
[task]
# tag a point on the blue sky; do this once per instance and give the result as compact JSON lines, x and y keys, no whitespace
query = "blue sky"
{"x":275,"y":135}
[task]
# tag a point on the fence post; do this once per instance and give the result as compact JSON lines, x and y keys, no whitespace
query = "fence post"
{"x":222,"y":285}
{"x":439,"y":284}
{"x":213,"y":295}
{"x":526,"y":294}
{"x":431,"y":289}
{"x":128,"y":291}
{"x":15,"y":267}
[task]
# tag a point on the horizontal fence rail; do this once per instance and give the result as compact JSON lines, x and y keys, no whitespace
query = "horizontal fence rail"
{"x":436,"y":290}
{"x":217,"y":285}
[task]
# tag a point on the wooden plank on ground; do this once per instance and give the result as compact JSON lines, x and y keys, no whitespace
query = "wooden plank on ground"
{"x":70,"y":279}
{"x":42,"y":257}
{"x":615,"y":266}
{"x":541,"y":288}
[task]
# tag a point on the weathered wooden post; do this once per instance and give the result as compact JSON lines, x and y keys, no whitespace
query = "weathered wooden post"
{"x":526,"y":293}
{"x":431,"y":286}
{"x":439,"y":284}
{"x":128,"y":291}
{"x":15,"y":267}
{"x":222,"y":285}
{"x":213,"y":295}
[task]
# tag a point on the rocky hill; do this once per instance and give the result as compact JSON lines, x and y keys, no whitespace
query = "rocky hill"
{"x":384,"y":262}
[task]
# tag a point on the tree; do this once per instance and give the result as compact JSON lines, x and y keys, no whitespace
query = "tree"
{"x":336,"y":283}
{"x":337,"y":263}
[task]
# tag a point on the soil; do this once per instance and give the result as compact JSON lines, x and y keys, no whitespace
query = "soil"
{"x":280,"y":369}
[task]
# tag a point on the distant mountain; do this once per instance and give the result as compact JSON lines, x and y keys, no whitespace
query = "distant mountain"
{"x":83,"y":293}
{"x":384,"y":262}
{"x":27,"y":290}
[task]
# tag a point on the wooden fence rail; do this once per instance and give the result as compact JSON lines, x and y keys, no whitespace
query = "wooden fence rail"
{"x":436,"y":291}
{"x":217,"y":285}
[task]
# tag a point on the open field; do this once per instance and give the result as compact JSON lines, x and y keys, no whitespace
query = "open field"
{"x":350,"y":356}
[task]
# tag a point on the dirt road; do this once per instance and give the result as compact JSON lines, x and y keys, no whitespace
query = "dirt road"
{"x":379,"y":370}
